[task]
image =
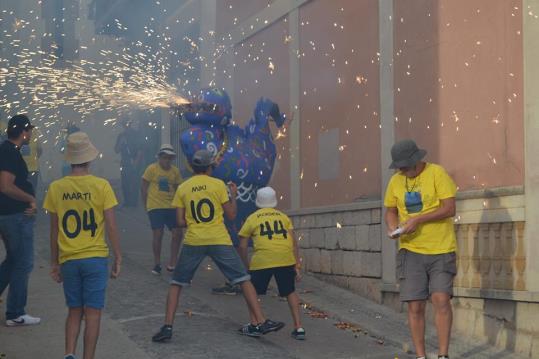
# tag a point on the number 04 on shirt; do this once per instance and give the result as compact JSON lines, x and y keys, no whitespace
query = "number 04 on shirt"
{"x":79,"y":203}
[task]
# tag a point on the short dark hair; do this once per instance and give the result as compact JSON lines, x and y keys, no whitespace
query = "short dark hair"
{"x":80,"y":165}
{"x":200,"y":169}
{"x":16,"y":131}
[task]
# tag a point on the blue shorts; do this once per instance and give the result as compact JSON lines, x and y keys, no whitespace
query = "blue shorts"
{"x":85,"y":281}
{"x":226,"y":258}
{"x":161,"y":217}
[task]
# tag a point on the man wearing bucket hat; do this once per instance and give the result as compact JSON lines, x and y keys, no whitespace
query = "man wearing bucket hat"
{"x":17,"y":217}
{"x":275,"y":254}
{"x":159,"y":183}
{"x":202,"y":203}
{"x":420,"y":206}
{"x":81,"y":207}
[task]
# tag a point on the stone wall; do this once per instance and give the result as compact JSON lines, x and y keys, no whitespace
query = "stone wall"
{"x":343,"y":247}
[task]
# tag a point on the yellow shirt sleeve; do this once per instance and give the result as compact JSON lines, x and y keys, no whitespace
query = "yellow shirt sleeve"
{"x":178,"y":178}
{"x":390,"y":201}
{"x":177,"y":201}
{"x":49,"y":204}
{"x":444,"y":184}
{"x":149,"y":173}
{"x":246,"y":230}
{"x":109,"y":197}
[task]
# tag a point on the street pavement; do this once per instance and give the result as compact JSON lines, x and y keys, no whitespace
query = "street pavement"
{"x":339,"y":324}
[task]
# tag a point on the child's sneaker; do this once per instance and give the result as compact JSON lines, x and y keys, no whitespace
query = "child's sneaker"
{"x":23,"y":320}
{"x":165,"y":333}
{"x":156,"y":270}
{"x":298,"y":334}
{"x":271,"y":326}
{"x":251,"y":330}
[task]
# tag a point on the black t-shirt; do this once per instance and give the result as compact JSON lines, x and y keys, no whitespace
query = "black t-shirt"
{"x":11,"y":161}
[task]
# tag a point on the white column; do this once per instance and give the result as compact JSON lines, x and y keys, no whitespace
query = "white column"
{"x":208,"y":19}
{"x":531,"y":136}
{"x":295,"y":128}
{"x":387,"y":132}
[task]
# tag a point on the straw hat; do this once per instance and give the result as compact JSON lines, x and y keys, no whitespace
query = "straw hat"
{"x":266,"y":198}
{"x":79,"y":149}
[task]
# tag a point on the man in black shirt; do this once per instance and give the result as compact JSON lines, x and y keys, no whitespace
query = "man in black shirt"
{"x":129,"y":146}
{"x":17,"y":216}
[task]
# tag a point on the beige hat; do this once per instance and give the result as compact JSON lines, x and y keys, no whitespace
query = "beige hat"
{"x":266,"y":198}
{"x":79,"y":149}
{"x":167,"y":149}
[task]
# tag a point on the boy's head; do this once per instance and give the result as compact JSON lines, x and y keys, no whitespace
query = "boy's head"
{"x":202,"y":162}
{"x":266,"y":198}
{"x":79,"y":150}
{"x":166,"y":155}
{"x":18,"y":127}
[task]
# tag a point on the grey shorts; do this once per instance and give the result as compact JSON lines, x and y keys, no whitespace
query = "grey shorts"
{"x":226,"y":258}
{"x":420,"y":275}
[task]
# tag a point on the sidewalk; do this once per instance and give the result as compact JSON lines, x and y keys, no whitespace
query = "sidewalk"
{"x":46,"y":341}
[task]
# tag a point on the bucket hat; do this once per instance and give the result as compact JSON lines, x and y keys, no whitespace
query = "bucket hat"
{"x":266,"y":198}
{"x":405,"y":153}
{"x":80,"y":149}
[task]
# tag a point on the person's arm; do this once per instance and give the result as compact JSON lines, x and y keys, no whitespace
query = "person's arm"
{"x":296,"y":254}
{"x":39,"y":149}
{"x":243,"y":250}
{"x":8,"y":187}
{"x":55,"y":264}
{"x":230,"y":207}
{"x":447,"y":209}
{"x":114,"y":239}
{"x":144,"y":192}
{"x":392,"y":220}
{"x":180,"y":212}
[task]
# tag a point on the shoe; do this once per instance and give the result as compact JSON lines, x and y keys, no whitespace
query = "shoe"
{"x":170,"y":269}
{"x":23,"y":320}
{"x":70,"y":356}
{"x":298,"y":334}
{"x":271,"y":326}
{"x":251,"y":331}
{"x":165,"y":333}
{"x":227,"y":289}
{"x":443,"y":356}
{"x":156,"y":270}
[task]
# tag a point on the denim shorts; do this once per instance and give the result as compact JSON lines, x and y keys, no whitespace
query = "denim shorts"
{"x":161,"y":217}
{"x":85,"y":281}
{"x":225,"y":257}
{"x":420,"y":275}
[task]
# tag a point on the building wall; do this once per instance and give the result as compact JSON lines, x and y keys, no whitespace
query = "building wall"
{"x":459,"y":87}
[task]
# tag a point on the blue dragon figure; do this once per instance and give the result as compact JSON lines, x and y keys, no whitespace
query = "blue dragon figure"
{"x":245,"y":156}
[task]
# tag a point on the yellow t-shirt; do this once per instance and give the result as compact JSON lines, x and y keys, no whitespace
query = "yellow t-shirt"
{"x":80,"y":202}
{"x":203,"y":197}
{"x":272,"y":240}
{"x":163,"y":184}
{"x":420,"y":195}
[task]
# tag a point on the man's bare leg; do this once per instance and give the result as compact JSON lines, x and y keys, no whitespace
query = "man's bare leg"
{"x":443,"y":318}
{"x":416,"y":319}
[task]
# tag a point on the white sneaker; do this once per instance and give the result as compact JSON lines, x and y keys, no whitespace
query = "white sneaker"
{"x":23,"y":320}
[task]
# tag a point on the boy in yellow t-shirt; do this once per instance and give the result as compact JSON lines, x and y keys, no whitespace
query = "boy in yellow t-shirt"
{"x":202,"y":201}
{"x":80,"y":207}
{"x":159,"y":182}
{"x":275,"y":252}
